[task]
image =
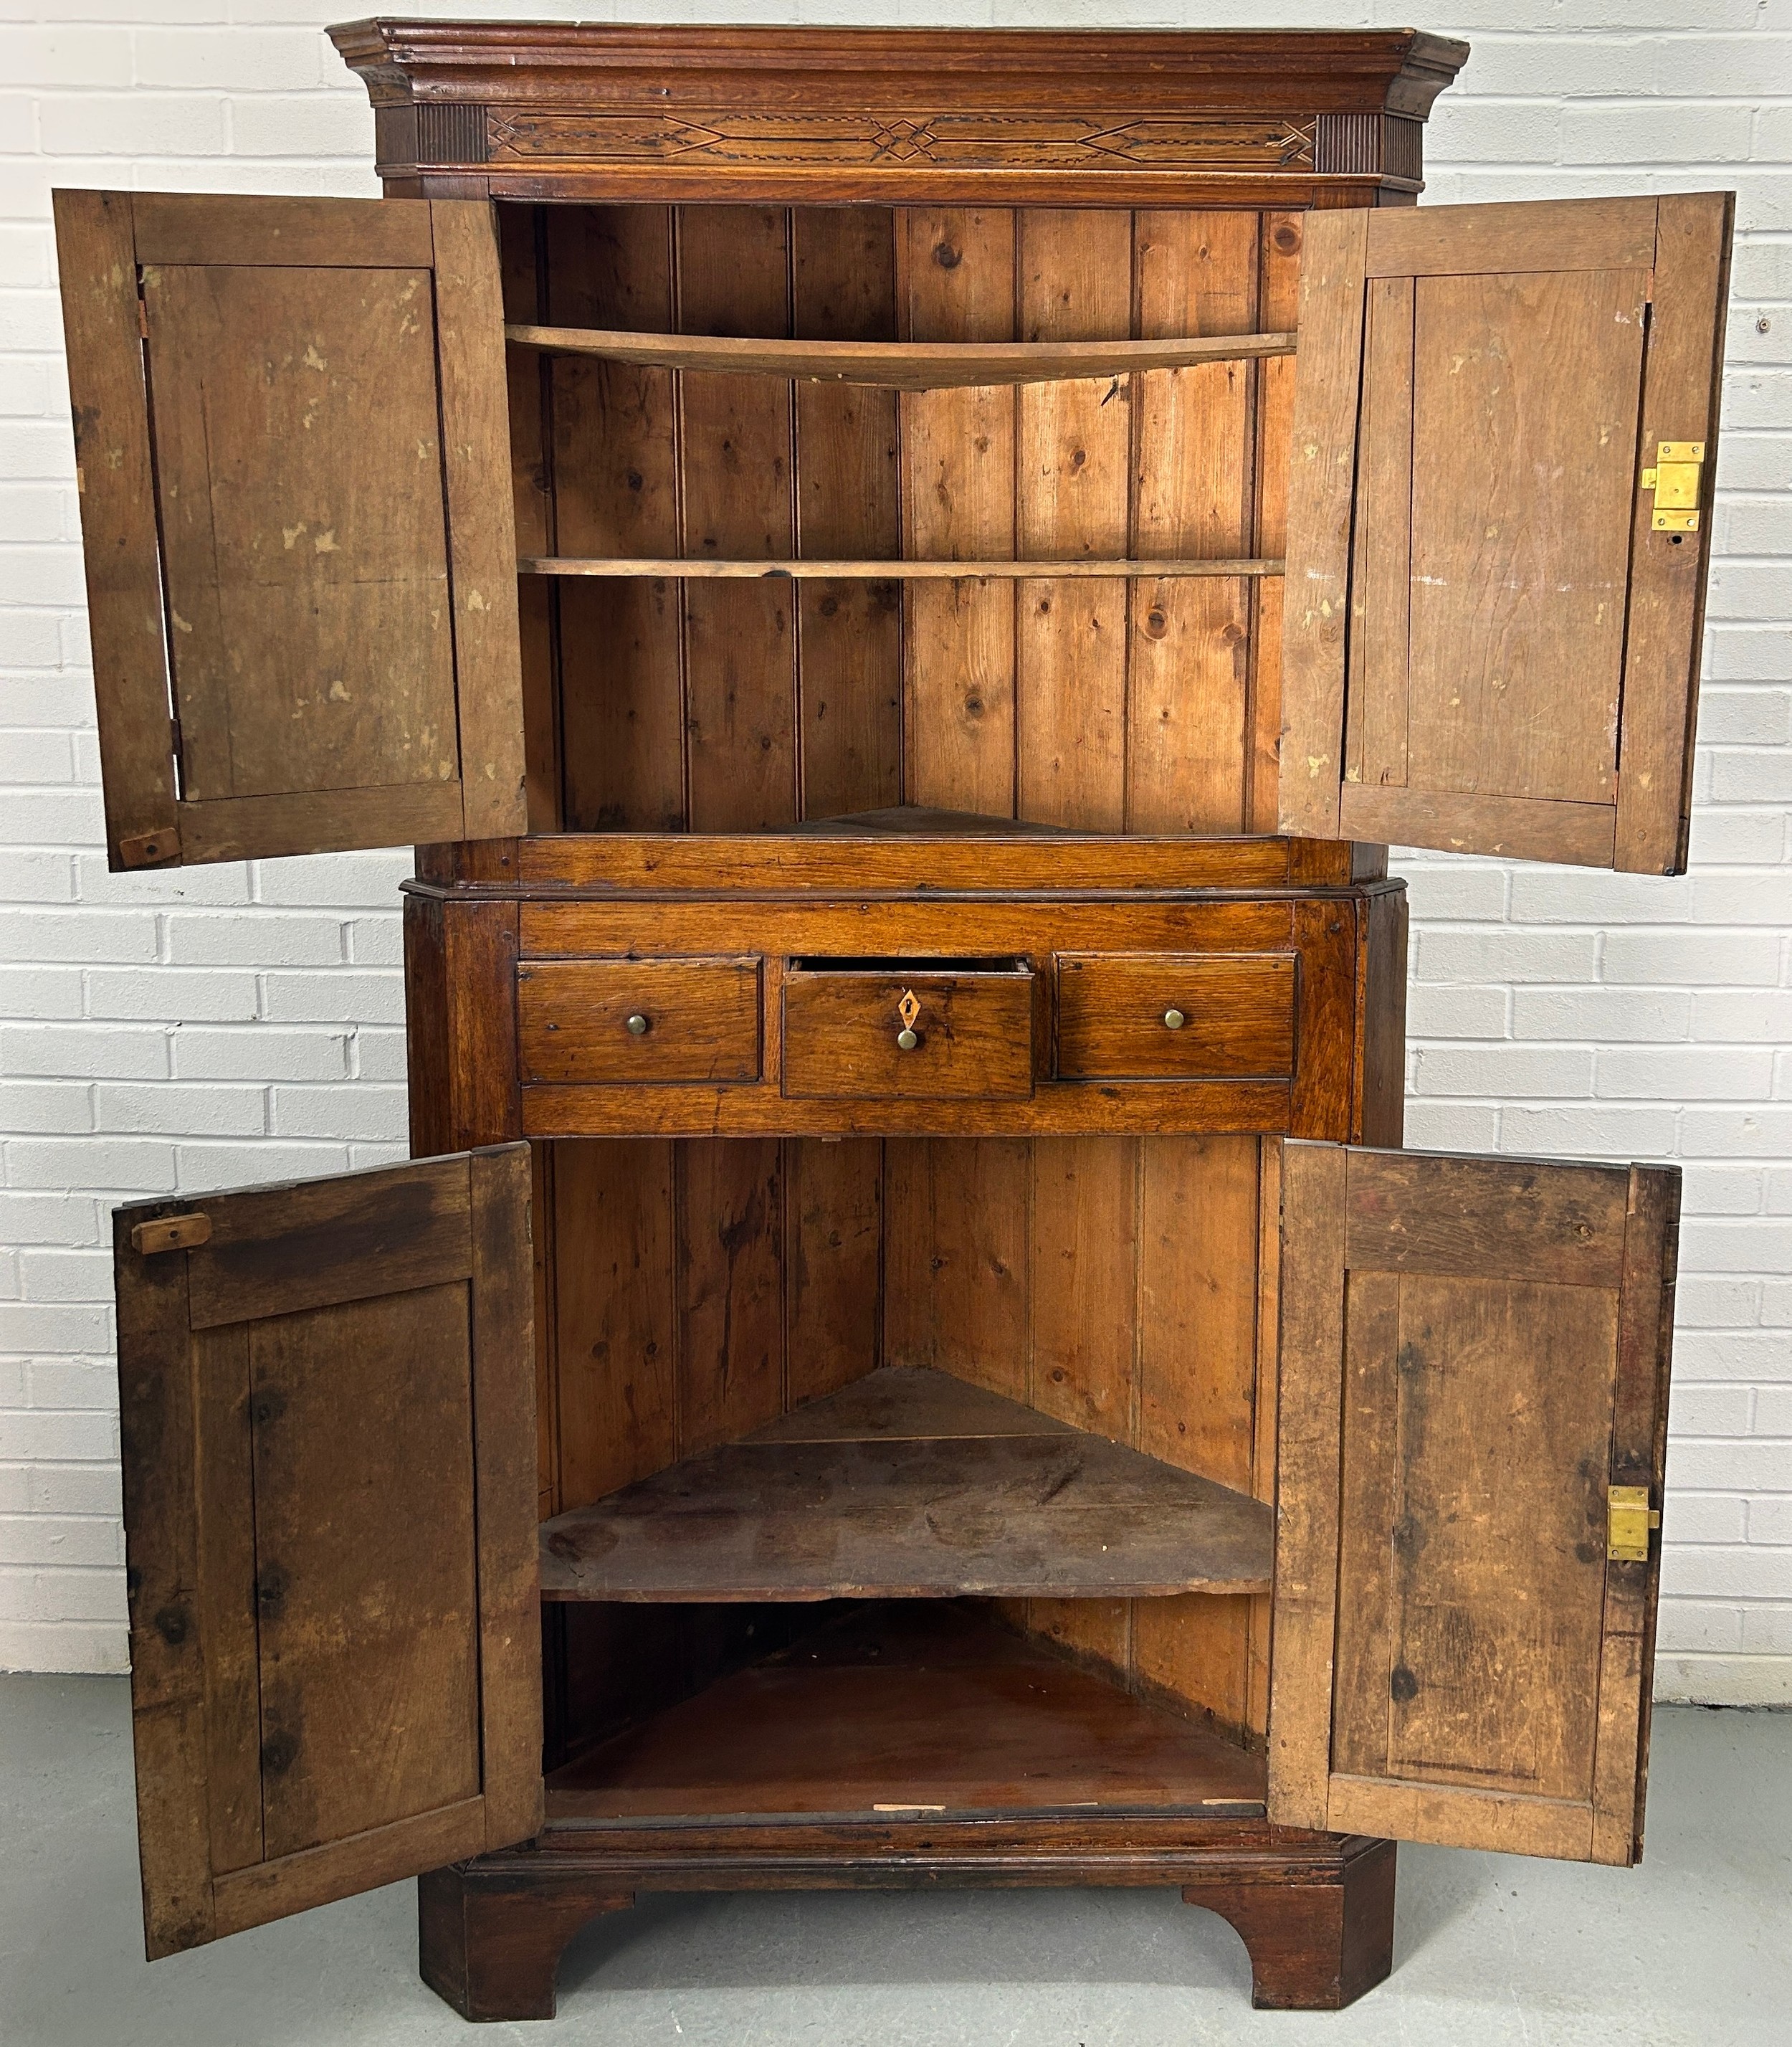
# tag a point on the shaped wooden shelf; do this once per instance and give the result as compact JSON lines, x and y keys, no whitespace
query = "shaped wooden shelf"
{"x":703,"y":570}
{"x":907,"y":1711}
{"x":901,"y":366}
{"x":909,"y":1483}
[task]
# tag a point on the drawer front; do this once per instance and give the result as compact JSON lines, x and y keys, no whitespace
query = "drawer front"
{"x":639,"y":1019}
{"x":972,"y":1033}
{"x":1166,"y":1016}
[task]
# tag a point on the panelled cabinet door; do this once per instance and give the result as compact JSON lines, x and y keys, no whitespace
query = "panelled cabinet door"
{"x":1473,"y":1402}
{"x":327,"y":1394}
{"x":294,"y":473}
{"x":1499,"y":525}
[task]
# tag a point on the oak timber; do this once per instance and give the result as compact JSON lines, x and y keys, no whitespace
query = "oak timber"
{"x":900,"y":365}
{"x":1474,"y":1352}
{"x":935,"y":1498}
{"x":910,"y":1712}
{"x":1514,"y":668}
{"x":905,"y":570}
{"x":329,"y":1457}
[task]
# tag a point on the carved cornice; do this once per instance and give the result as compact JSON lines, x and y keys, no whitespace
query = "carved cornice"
{"x":586,"y":65}
{"x":526,"y":107}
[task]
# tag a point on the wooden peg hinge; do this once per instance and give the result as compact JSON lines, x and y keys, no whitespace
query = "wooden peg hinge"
{"x":179,"y":1233}
{"x":150,"y":848}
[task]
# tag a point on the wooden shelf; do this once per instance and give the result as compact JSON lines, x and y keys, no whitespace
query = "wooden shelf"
{"x":909,"y":1484}
{"x":925,"y":821}
{"x":901,"y":366}
{"x":905,"y":1712}
{"x":703,"y":570}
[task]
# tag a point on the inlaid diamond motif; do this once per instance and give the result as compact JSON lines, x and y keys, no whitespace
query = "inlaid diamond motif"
{"x":904,"y":139}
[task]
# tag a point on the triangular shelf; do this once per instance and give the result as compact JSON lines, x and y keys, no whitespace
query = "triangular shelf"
{"x":909,"y":1483}
{"x":921,"y":821}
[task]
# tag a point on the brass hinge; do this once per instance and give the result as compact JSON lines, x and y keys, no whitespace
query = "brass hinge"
{"x":179,"y":1233}
{"x":1629,"y":1519}
{"x":1677,"y":480}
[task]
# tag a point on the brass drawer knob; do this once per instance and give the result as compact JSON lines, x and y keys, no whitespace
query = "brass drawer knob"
{"x":638,"y":1024}
{"x":1174,"y":1019}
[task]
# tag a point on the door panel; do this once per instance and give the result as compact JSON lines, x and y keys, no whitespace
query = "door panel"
{"x":1474,"y":1352}
{"x":1496,"y":643}
{"x":330,"y":1528}
{"x":341,"y":560}
{"x":291,"y":444}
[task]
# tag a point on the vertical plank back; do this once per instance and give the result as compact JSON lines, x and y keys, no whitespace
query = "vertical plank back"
{"x":736,"y":448}
{"x":702,"y":1287}
{"x":1278,"y":311}
{"x":522,"y":240}
{"x":1189,"y":640}
{"x":1099,"y":704}
{"x":1073,"y":442}
{"x":616,"y":491}
{"x":1082,"y":1340}
{"x":1110,"y":1282}
{"x":730,"y":1288}
{"x":843,"y":269}
{"x":956,"y":277}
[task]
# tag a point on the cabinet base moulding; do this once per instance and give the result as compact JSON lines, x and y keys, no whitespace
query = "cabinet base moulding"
{"x":1315,"y":1911}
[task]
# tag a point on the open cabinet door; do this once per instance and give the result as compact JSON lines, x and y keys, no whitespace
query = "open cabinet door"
{"x":327,"y":1394}
{"x":294,"y":464}
{"x":1473,"y":1404}
{"x":1499,"y":525}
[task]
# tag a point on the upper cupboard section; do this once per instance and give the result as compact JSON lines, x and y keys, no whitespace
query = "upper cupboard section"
{"x":1103,"y":702}
{"x":323,"y":495}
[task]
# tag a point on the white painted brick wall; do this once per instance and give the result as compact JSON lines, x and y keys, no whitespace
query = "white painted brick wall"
{"x":192,"y":1030}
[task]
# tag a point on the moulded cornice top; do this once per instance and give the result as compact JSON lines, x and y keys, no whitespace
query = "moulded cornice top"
{"x":1395,"y":70}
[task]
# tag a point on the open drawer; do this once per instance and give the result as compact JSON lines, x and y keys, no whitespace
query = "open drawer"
{"x":932,"y":1030}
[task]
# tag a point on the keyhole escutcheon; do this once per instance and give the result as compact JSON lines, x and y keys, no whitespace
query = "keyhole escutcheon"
{"x":907,"y":1010}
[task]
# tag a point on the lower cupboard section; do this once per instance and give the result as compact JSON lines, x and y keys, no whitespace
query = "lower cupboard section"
{"x":892,"y":1708}
{"x":691,"y":1291}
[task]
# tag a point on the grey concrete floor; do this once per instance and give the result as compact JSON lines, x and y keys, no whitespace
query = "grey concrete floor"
{"x":1491,"y":1951}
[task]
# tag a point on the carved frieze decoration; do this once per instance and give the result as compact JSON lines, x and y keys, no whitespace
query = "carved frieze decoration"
{"x":954,"y":140}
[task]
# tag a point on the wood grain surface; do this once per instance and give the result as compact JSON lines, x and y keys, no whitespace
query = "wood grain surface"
{"x":910,"y":1512}
{"x":701,"y":1019}
{"x":910,"y":366}
{"x":337,"y":1681}
{"x":917,"y":1713}
{"x":1491,"y":1333}
{"x":1238,"y":1016}
{"x":302,"y":518}
{"x":846,"y":469}
{"x":974,"y":1033}
{"x":1520,"y":661}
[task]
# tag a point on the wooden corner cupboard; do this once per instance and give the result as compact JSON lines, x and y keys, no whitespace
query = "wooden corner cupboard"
{"x":900,"y":584}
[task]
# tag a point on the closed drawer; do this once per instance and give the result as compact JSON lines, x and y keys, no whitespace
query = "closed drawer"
{"x":845,"y":1036}
{"x":639,"y":1019}
{"x":1176,"y":1016}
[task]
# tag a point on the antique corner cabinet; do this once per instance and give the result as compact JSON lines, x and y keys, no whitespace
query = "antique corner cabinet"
{"x":900,"y":584}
